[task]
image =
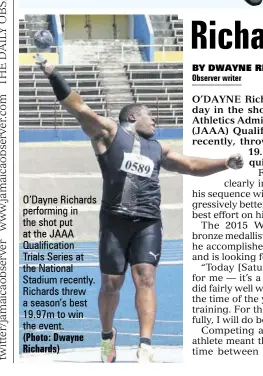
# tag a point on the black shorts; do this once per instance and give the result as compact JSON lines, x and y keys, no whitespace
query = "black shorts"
{"x":126,"y":241}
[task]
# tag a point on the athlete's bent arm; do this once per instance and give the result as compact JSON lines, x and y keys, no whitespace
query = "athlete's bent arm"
{"x":95,"y":126}
{"x":183,"y":164}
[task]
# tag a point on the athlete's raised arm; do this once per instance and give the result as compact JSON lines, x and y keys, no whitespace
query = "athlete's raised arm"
{"x":183,"y":164}
{"x":97,"y":127}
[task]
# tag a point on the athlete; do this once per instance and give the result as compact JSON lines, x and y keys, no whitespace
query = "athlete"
{"x":130,"y":220}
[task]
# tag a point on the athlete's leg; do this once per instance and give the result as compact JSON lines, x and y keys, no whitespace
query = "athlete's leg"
{"x":108,"y":302}
{"x":114,"y":240}
{"x":109,"y":299}
{"x":144,"y":257}
{"x":145,"y":298}
{"x":113,"y":250}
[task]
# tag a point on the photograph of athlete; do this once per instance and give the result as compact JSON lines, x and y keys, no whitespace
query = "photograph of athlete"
{"x":130,"y":219}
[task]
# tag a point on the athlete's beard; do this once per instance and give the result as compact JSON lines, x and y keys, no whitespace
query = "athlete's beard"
{"x":145,"y":135}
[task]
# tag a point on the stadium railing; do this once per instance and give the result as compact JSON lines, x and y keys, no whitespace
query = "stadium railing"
{"x":125,"y":50}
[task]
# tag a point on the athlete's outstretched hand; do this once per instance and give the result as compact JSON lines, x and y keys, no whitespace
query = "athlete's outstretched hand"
{"x":235,"y":161}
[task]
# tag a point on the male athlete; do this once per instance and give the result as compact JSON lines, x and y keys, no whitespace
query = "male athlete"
{"x":130,"y":220}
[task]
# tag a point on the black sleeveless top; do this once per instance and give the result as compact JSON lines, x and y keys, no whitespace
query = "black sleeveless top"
{"x":130,"y":170}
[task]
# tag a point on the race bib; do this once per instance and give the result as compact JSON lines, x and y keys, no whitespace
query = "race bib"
{"x":137,"y":164}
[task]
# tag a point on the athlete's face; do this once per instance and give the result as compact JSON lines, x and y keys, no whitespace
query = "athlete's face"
{"x":145,"y":122}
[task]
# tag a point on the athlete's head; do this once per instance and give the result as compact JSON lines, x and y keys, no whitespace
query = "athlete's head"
{"x":140,"y":116}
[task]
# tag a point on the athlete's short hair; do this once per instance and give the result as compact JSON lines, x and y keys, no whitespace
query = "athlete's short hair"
{"x":128,"y":110}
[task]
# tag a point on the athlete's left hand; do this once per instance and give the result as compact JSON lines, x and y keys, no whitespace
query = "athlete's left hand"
{"x":46,"y":68}
{"x":235,"y":161}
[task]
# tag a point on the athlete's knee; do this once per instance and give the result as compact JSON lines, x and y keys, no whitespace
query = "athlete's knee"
{"x":144,"y":276}
{"x":146,"y":281}
{"x":111,"y":283}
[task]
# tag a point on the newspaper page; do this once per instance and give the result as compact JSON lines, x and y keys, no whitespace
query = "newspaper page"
{"x":131,"y":188}
{"x":226,"y":209}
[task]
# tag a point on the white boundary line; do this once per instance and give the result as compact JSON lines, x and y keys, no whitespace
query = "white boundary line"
{"x":126,"y":320}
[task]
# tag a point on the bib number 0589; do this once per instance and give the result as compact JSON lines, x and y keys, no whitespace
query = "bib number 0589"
{"x":137,"y":165}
